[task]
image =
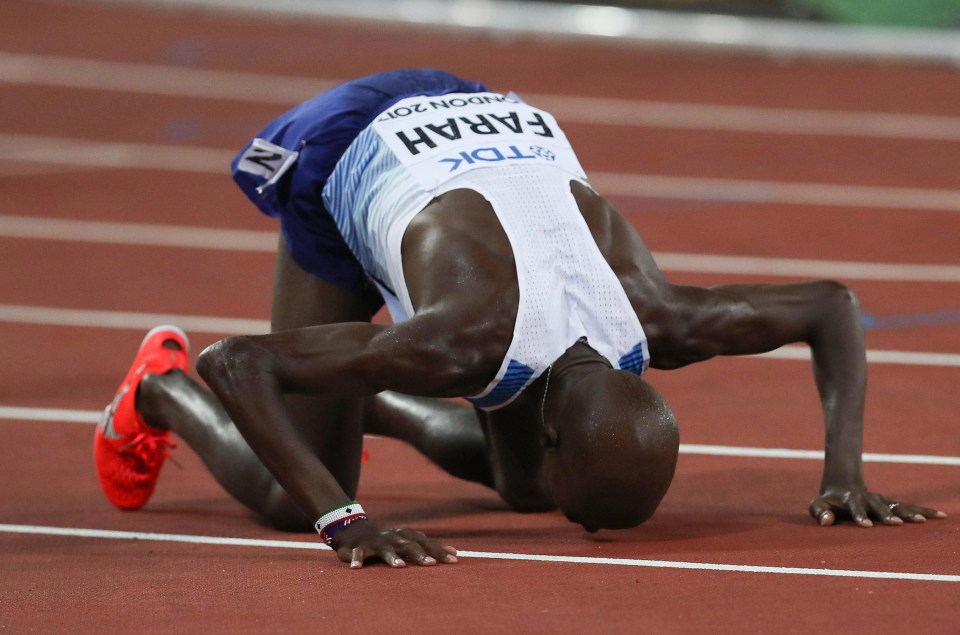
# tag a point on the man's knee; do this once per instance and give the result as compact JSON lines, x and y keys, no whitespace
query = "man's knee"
{"x":211,"y":360}
{"x":280,"y":512}
{"x":229,"y":358}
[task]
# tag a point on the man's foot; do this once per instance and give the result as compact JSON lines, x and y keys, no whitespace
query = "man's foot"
{"x":128,"y":452}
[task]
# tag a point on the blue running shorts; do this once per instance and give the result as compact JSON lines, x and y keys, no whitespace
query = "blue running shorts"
{"x":283,"y":171}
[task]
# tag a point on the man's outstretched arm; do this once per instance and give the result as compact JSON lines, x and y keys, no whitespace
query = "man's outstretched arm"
{"x":751,"y":319}
{"x":250,"y":376}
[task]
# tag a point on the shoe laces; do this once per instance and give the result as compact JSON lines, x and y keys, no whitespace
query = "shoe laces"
{"x":150,"y":449}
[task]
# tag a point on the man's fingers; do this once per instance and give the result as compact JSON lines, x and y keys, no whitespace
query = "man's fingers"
{"x":883,"y":511}
{"x":858,"y":512}
{"x":864,"y":507}
{"x":915,"y":514}
{"x":442,"y":553}
{"x":412,"y":550}
{"x":391,"y":558}
{"x":395,"y":547}
{"x":820,"y":510}
{"x":926,"y":512}
{"x":351,"y":556}
{"x":449,"y":555}
{"x":432,"y":551}
{"x":823,"y":509}
{"x":356,"y":558}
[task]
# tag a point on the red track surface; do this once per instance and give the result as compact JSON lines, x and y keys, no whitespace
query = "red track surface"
{"x":720,"y":510}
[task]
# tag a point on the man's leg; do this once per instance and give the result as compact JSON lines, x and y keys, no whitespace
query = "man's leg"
{"x":176,"y":402}
{"x":334,"y":428}
{"x":446,"y":432}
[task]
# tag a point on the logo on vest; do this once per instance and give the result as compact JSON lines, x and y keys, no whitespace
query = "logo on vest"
{"x":494,"y":154}
{"x":543,"y":153}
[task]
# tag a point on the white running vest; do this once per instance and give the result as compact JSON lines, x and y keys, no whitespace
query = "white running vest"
{"x":517,"y":158}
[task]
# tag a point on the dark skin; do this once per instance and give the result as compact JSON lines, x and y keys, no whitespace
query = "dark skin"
{"x":459,"y":270}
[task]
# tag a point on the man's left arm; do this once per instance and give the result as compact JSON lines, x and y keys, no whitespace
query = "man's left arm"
{"x":752,"y":319}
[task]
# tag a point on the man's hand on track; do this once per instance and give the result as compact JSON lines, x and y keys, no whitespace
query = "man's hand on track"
{"x":863,"y":507}
{"x":364,"y":541}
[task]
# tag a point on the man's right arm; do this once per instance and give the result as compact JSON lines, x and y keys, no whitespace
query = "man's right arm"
{"x":251,"y":374}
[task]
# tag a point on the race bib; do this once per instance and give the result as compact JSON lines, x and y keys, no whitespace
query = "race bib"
{"x":438,"y":138}
{"x":266,"y":160}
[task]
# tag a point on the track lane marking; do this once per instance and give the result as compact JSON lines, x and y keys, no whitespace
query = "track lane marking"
{"x":87,"y":318}
{"x":91,"y":318}
{"x":89,"y":153}
{"x":167,"y":157}
{"x":804,"y":268}
{"x":812,"y":455}
{"x":109,"y":534}
{"x":907,"y":358}
{"x":782,"y":192}
{"x":192,"y":237}
{"x":59,"y":415}
{"x":149,"y":234}
{"x":154,"y":79}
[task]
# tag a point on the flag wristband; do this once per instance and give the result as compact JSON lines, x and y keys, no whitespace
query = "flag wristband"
{"x":336,"y":520}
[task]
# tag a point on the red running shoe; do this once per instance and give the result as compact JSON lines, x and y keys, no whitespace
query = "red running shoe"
{"x":128,"y":452}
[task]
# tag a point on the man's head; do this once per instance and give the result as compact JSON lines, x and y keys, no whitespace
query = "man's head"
{"x":612,"y":442}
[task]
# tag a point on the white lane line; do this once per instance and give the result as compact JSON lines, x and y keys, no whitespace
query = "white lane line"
{"x":77,"y":532}
{"x":150,"y":156}
{"x":783,"y":192}
{"x":129,"y":320}
{"x":71,"y":72}
{"x":804,"y":268}
{"x":35,"y":227}
{"x":109,"y":154}
{"x":906,"y":358}
{"x":153,"y":79}
{"x":94,"y":231}
{"x":40,"y":530}
{"x":812,"y":455}
{"x":676,"y":115}
{"x":12,"y":169}
{"x":57,"y":415}
{"x":91,"y":318}
{"x":56,"y":150}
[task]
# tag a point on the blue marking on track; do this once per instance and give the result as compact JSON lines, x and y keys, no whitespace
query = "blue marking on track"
{"x":183,"y":130}
{"x":908,"y":320}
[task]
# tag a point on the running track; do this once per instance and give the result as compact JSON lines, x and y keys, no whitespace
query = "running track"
{"x":114,"y":121}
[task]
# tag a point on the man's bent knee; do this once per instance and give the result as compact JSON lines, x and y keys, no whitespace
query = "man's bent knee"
{"x":228,"y":359}
{"x":280,"y":512}
{"x":211,"y":360}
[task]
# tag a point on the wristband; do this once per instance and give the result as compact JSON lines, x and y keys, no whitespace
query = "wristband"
{"x":334,"y":521}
